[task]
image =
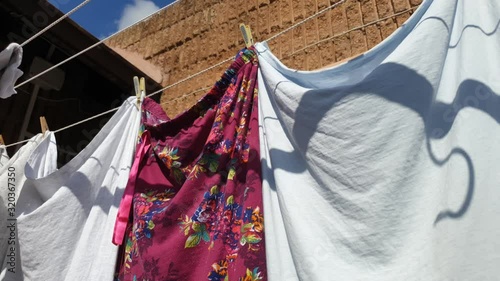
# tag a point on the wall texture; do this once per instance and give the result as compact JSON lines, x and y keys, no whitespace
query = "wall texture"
{"x":192,"y":35}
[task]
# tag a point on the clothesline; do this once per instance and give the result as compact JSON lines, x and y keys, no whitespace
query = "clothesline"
{"x":294,"y":52}
{"x":188,"y":94}
{"x":169,"y":86}
{"x":90,"y":47}
{"x":55,"y":22}
{"x":348,"y":31}
{"x":268,"y":39}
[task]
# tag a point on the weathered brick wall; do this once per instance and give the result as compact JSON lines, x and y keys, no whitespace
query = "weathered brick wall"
{"x":192,"y":35}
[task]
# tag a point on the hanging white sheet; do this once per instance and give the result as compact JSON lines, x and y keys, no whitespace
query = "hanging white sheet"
{"x":386,"y":167}
{"x":65,"y":227}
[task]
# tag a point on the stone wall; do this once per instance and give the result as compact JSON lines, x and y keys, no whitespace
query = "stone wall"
{"x":192,"y":35}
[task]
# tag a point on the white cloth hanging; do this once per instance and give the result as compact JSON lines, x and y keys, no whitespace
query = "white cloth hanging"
{"x":66,"y":224}
{"x":10,"y":60}
{"x":386,"y":167}
{"x":12,"y":177}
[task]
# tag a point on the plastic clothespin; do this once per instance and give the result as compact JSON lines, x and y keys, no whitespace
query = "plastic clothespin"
{"x":137,"y":89}
{"x":247,"y":35}
{"x":43,"y":124}
{"x":2,"y":142}
{"x":142,"y":88}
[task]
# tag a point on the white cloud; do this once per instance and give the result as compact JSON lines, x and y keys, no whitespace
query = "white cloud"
{"x":135,"y":12}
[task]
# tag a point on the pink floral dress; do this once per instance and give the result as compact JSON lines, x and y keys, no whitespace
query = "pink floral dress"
{"x":196,"y":210}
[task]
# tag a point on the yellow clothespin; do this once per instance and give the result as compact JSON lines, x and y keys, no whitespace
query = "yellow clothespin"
{"x":1,"y":140}
{"x":247,"y":34}
{"x":43,"y":124}
{"x":142,"y":88}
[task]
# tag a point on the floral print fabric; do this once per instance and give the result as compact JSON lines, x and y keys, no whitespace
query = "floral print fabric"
{"x":197,"y":205}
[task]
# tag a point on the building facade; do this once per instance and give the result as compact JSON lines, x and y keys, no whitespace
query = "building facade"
{"x":193,"y":35}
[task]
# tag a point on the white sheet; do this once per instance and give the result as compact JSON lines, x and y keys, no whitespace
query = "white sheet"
{"x":386,"y":167}
{"x":65,"y":227}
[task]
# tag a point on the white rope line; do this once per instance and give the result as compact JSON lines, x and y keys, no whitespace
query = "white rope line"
{"x":55,"y":22}
{"x":293,"y":53}
{"x":91,"y":47}
{"x":348,"y":31}
{"x":186,"y":95}
{"x":306,"y":19}
{"x":172,"y":85}
{"x":190,"y":77}
{"x":69,"y":126}
{"x":16,"y":143}
{"x":88,"y":119}
{"x":268,"y":39}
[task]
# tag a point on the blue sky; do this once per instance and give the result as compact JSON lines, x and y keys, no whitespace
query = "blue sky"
{"x":104,"y":17}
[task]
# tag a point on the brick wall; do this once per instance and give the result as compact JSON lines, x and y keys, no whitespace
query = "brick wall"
{"x":192,"y":35}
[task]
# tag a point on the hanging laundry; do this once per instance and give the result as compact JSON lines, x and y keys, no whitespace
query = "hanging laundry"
{"x":10,"y":60}
{"x":66,"y":225}
{"x":197,"y":200}
{"x":386,"y":167}
{"x":12,"y":177}
{"x":4,"y":156}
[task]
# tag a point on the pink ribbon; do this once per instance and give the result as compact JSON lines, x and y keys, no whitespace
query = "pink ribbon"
{"x":124,"y":211}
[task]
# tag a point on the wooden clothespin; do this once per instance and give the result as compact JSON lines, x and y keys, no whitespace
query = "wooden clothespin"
{"x":43,"y":124}
{"x":2,"y":142}
{"x":247,"y":34}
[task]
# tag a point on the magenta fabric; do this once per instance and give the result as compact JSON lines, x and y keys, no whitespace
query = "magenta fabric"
{"x":197,"y":200}
{"x":122,"y":217}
